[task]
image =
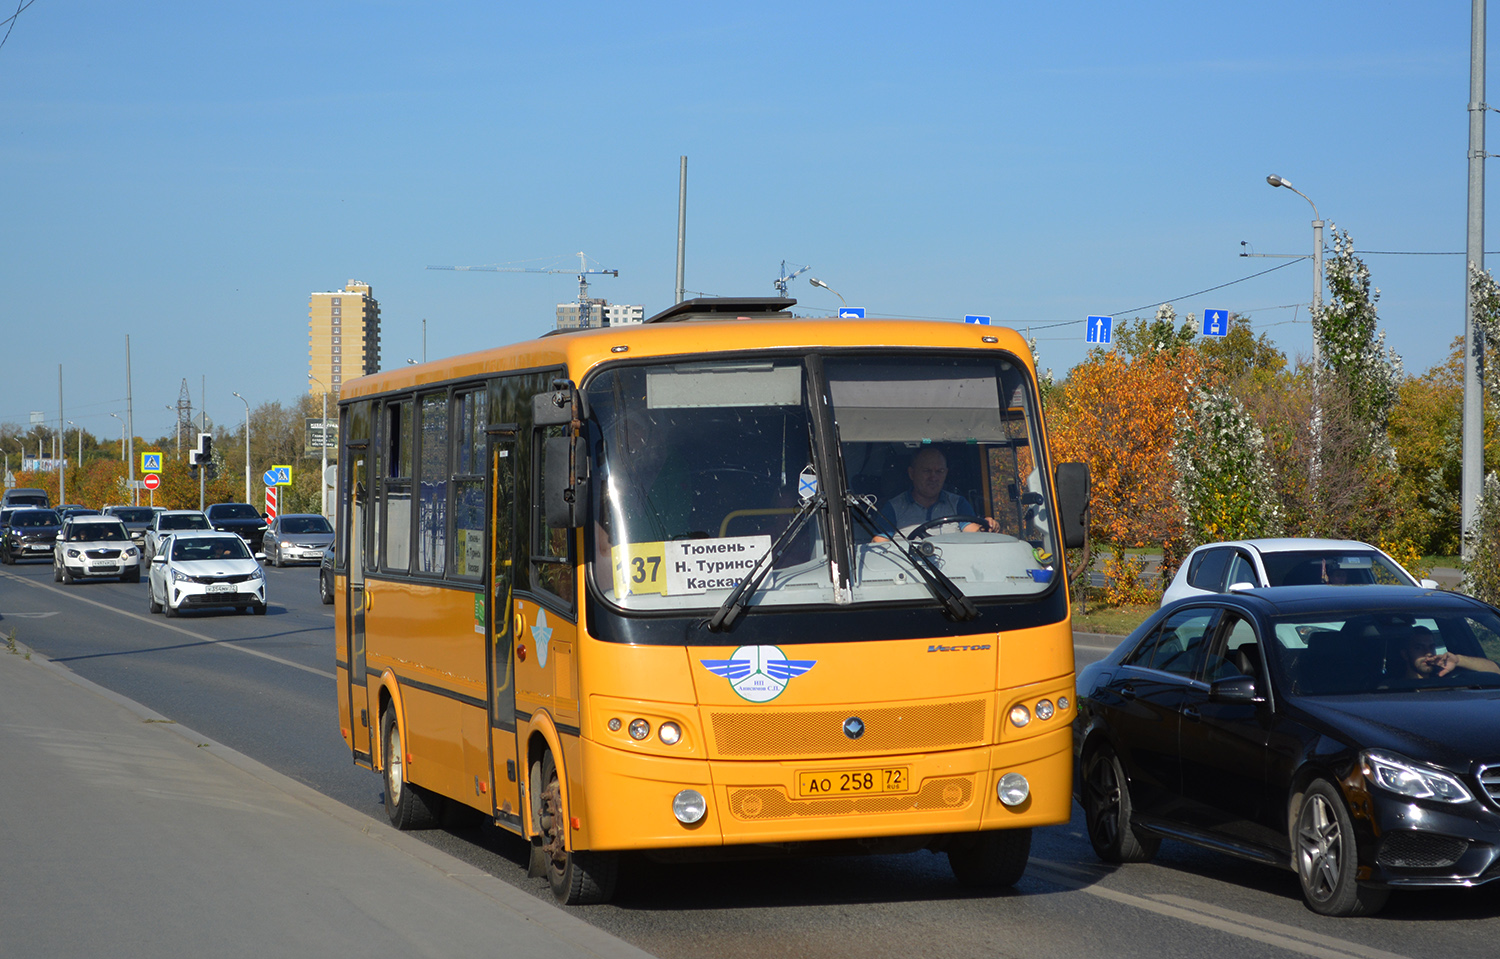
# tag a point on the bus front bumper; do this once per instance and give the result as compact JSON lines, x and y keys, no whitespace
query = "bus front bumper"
{"x":625,"y":801}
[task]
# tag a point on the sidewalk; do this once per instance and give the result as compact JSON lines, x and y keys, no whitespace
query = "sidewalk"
{"x":123,"y":834}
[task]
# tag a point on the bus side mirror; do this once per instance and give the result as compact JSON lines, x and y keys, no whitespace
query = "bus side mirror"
{"x":553,"y":408}
{"x":1072,"y":485}
{"x":565,"y":474}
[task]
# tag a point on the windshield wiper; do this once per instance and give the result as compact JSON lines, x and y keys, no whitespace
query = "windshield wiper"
{"x":738,"y":599}
{"x":957,"y":606}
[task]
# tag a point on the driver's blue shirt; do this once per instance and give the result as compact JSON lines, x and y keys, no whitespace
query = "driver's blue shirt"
{"x":903,"y":511}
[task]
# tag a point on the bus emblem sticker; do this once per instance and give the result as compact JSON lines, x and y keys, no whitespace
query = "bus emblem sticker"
{"x":758,"y":673}
{"x":541,"y":633}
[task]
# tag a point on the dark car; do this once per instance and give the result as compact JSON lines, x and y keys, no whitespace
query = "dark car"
{"x":137,"y":519}
{"x":24,"y":498}
{"x":1352,"y":736}
{"x":30,"y":534}
{"x":297,"y":538}
{"x":325,"y":575}
{"x":238,"y":518}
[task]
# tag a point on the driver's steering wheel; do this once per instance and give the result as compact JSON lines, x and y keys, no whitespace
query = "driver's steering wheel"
{"x":923,"y":530}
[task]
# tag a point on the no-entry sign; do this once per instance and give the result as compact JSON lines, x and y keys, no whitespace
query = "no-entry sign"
{"x":151,"y":480}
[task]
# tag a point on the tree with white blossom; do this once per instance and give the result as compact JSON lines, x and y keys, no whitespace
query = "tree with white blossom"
{"x":1224,"y":485}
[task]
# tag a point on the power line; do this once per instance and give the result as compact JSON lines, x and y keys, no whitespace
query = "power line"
{"x":12,"y":20}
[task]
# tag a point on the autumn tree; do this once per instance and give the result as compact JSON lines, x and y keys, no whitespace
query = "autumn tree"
{"x":1118,"y":413}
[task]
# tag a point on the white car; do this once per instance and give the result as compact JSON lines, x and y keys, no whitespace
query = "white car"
{"x":95,"y":546}
{"x":170,"y":521}
{"x":202,"y":570}
{"x":1217,"y":567}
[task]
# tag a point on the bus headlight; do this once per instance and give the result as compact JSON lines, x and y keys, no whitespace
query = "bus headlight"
{"x":669,"y":733}
{"x":1012,"y":789}
{"x":689,"y":806}
{"x":1019,"y":715}
{"x":1044,"y":709}
{"x":639,"y":729}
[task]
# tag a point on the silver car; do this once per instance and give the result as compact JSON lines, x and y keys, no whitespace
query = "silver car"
{"x":297,"y":538}
{"x":95,"y":546}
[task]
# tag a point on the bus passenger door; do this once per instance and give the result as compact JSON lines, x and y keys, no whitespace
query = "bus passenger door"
{"x":500,"y":651}
{"x":352,"y":546}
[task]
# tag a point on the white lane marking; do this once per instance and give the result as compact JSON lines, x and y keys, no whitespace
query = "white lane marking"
{"x":1275,"y":934}
{"x":29,"y":615}
{"x":225,"y":643}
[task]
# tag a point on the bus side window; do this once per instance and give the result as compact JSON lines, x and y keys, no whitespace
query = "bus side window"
{"x":551,"y":547}
{"x":396,"y":487}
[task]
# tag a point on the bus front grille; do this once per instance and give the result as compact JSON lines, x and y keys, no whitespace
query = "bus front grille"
{"x":772,"y":802}
{"x":888,"y":730}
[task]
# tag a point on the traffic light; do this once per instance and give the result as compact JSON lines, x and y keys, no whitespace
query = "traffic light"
{"x":205,"y":447}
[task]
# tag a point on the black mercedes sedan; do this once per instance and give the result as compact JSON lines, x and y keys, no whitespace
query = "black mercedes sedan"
{"x":1352,"y":736}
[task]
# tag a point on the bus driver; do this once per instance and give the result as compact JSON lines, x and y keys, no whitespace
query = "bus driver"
{"x":927,"y":500}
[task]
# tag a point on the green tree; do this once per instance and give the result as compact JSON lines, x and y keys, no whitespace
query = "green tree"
{"x":1139,"y":337}
{"x":1224,"y":484}
{"x":1352,"y":345}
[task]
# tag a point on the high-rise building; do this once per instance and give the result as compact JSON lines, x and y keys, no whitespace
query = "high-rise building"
{"x":601,"y":313}
{"x":343,"y":336}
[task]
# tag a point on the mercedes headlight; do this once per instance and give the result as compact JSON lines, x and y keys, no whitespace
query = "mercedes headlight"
{"x":1419,"y":781}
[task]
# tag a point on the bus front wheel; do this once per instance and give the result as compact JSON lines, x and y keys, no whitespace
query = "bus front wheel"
{"x":409,"y":806}
{"x":577,"y":878}
{"x":995,"y":858}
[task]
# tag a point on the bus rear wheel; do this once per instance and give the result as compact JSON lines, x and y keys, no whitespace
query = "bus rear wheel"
{"x":577,"y":878}
{"x":989,"y":859}
{"x":409,"y":806}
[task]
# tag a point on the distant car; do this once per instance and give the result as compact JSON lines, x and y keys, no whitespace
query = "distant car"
{"x":137,"y":519}
{"x":297,"y":538}
{"x":1349,"y":735}
{"x":30,"y":534}
{"x":238,"y":518}
{"x":1215,"y":567}
{"x":34,"y":498}
{"x":68,"y":512}
{"x":325,"y":575}
{"x":95,"y":546}
{"x":204,"y":570}
{"x":168,"y":522}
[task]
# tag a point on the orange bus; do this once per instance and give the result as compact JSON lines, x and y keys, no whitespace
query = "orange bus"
{"x":726,"y":580}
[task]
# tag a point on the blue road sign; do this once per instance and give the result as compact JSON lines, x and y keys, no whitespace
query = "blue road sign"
{"x":278,"y":476}
{"x":851,"y":312}
{"x":1101,"y":329}
{"x":150,"y":462}
{"x":1215,"y":322}
{"x":981,"y":320}
{"x":269,"y":478}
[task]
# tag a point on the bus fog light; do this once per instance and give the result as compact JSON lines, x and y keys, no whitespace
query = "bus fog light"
{"x":1012,"y":789}
{"x":669,"y":733}
{"x":615,"y":724}
{"x":1062,"y":703}
{"x":689,"y":806}
{"x":1019,"y":716}
{"x":639,"y":729}
{"x":1044,"y":709}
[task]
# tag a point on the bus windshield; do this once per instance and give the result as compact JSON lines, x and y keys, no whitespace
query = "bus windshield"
{"x":700,"y":467}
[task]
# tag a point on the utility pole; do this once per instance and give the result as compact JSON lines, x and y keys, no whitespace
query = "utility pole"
{"x":135,"y":494}
{"x":1472,"y":478}
{"x":681,"y":227}
{"x":62,"y":451}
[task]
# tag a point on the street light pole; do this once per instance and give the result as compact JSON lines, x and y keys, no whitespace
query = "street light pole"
{"x":323,"y":445}
{"x":122,"y":436}
{"x":817,"y":282}
{"x":79,"y":464}
{"x":1317,"y":306}
{"x":247,"y":446}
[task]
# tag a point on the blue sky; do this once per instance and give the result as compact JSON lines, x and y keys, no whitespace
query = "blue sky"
{"x":187,"y":173}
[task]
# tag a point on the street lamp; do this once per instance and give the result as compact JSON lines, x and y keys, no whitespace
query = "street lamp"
{"x":79,"y":465}
{"x":1317,"y":305}
{"x":817,"y":282}
{"x":1317,"y":225}
{"x":122,"y":436}
{"x":323,"y":444}
{"x":247,"y":445}
{"x":179,"y":429}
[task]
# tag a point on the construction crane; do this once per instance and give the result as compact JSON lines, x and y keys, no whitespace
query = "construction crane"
{"x":583,"y":273}
{"x":781,"y":281}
